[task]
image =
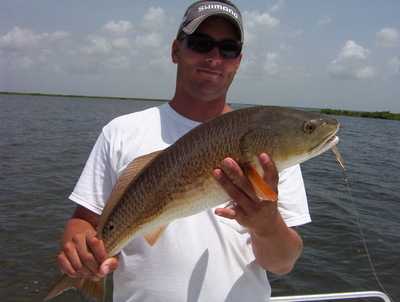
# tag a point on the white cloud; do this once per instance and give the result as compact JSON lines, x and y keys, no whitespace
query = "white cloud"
{"x":57,"y":36}
{"x":23,"y":49}
{"x":149,"y":41}
{"x":277,"y":6}
{"x":99,"y":46}
{"x":154,"y":19}
{"x":117,"y":63}
{"x":257,"y":25}
{"x":122,"y":43}
{"x":351,"y":63}
{"x":325,"y":20}
{"x":128,"y":48}
{"x":22,"y":63}
{"x":160,"y":65}
{"x":271,"y":63}
{"x":353,"y":51}
{"x":122,"y":27}
{"x":394,"y":65}
{"x":286,"y":48}
{"x":118,"y":44}
{"x":260,"y":66}
{"x":260,"y":21}
{"x":268,"y":46}
{"x":19,"y":39}
{"x":388,"y":37}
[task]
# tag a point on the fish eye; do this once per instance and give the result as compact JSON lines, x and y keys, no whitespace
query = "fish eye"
{"x":310,"y":126}
{"x":111,"y":226}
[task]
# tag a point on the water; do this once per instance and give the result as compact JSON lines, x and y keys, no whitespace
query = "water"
{"x":44,"y":145}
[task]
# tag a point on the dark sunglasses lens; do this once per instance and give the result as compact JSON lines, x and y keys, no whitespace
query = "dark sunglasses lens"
{"x":204,"y":44}
{"x":200,"y":44}
{"x":230,"y":50}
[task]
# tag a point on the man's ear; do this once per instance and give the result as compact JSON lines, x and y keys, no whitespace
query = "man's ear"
{"x":175,"y":51}
{"x":240,"y":59}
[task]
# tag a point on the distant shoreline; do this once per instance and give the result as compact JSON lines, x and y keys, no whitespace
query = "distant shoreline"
{"x":387,"y":115}
{"x":381,"y":114}
{"x":82,"y":96}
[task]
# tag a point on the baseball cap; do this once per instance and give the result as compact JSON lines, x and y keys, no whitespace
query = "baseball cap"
{"x":199,"y":11}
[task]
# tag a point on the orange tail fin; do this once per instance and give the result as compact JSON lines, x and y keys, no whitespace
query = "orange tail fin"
{"x":92,"y":291}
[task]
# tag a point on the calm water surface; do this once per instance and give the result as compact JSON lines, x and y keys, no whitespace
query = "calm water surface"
{"x":45,"y":142}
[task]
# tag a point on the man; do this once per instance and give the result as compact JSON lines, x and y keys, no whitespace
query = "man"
{"x":217,"y":255}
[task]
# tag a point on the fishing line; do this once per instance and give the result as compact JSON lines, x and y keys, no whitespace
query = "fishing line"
{"x":346,"y":180}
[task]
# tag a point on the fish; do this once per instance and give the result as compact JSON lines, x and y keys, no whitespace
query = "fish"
{"x":339,"y":158}
{"x":158,"y":188}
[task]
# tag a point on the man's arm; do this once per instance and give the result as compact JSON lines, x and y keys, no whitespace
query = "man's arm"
{"x":82,"y":254}
{"x":275,"y":246}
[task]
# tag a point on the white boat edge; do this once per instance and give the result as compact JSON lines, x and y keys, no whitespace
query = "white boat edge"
{"x":332,"y":296}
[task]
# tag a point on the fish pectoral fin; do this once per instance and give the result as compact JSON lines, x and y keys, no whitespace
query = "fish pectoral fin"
{"x":262,"y":189}
{"x":152,"y":236}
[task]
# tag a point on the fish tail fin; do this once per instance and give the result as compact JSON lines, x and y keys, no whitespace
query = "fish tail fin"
{"x":92,"y":291}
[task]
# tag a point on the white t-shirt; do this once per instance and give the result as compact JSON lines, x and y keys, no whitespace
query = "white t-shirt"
{"x":203,"y":257}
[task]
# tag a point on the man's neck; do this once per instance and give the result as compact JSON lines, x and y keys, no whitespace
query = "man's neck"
{"x":199,"y":111}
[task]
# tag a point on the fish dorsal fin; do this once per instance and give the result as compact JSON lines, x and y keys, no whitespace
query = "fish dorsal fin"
{"x":128,"y":176}
{"x":262,"y":189}
{"x":152,"y":236}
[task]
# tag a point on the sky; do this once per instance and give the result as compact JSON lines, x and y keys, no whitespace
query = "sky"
{"x":339,"y":54}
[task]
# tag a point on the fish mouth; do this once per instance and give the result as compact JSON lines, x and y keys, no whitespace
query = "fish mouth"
{"x":327,"y":143}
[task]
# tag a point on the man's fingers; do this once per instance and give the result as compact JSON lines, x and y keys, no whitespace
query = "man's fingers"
{"x":237,"y":173}
{"x":226,"y":213}
{"x":71,"y":263}
{"x":72,"y":256}
{"x":110,"y":265}
{"x":89,"y":264}
{"x":65,"y":265}
{"x":97,"y":248}
{"x":270,"y":172}
{"x":233,"y":213}
{"x":245,"y":195}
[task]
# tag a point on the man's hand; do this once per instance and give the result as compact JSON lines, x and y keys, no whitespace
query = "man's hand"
{"x":82,"y":254}
{"x":250,"y":211}
{"x":276,"y":247}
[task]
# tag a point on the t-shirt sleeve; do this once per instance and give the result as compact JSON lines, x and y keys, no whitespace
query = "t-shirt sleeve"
{"x":97,"y":179}
{"x":292,"y":199}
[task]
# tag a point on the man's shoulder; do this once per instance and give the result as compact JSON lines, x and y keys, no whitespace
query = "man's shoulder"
{"x":135,"y":117}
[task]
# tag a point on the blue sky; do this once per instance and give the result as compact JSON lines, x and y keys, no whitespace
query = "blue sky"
{"x":342,"y":54}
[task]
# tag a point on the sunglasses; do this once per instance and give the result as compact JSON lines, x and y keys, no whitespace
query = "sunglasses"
{"x":204,"y":44}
